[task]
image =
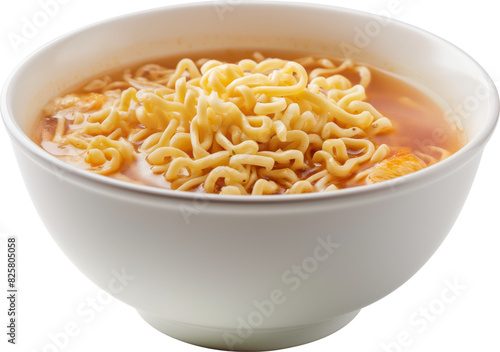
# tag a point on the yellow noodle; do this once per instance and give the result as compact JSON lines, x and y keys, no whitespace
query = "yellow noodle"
{"x":259,"y":126}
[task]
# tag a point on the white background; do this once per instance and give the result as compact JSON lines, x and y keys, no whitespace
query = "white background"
{"x":53,"y":294}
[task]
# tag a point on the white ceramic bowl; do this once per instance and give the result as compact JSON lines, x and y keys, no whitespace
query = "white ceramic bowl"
{"x":238,"y":272}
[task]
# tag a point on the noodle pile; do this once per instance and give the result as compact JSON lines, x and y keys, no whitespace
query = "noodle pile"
{"x":258,"y":126}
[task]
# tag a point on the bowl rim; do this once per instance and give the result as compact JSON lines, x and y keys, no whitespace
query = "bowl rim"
{"x":434,"y":172}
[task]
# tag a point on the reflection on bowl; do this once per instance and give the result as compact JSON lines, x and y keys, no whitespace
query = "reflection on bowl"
{"x":238,"y":272}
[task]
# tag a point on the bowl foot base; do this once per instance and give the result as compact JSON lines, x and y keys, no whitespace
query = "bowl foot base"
{"x":249,"y":339}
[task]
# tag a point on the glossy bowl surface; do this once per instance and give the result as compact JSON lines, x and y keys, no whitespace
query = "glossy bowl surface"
{"x":239,"y":272}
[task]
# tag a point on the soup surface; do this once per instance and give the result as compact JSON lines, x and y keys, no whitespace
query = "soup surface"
{"x":240,"y":122}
